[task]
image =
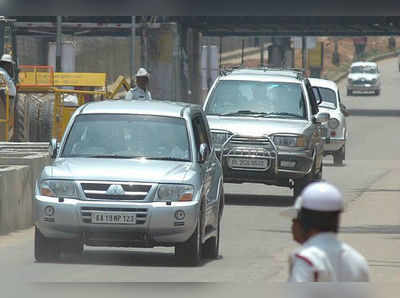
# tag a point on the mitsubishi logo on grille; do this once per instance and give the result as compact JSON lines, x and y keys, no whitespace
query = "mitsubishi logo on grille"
{"x":115,"y":189}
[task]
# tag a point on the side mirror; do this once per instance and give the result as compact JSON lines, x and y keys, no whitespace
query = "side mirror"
{"x":343,"y":109}
{"x":53,"y":148}
{"x":204,"y":151}
{"x":318,"y":100}
{"x":323,"y":117}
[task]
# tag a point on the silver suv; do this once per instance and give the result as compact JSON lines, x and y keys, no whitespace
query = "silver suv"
{"x":264,"y":127}
{"x":131,"y":174}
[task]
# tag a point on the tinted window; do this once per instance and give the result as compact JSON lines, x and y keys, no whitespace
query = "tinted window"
{"x":327,"y":96}
{"x":200,"y":132}
{"x":130,"y":136}
{"x":264,"y":97}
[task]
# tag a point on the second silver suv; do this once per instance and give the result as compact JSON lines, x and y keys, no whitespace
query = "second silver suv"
{"x":264,"y":125}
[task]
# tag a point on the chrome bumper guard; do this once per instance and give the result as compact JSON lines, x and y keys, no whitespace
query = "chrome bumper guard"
{"x":255,"y":148}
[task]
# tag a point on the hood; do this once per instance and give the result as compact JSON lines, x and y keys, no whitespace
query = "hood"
{"x":366,"y":76}
{"x":257,"y":127}
{"x":118,"y":170}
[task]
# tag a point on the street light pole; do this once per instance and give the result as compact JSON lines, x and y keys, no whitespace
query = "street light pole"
{"x":58,"y":44}
{"x":133,"y":48}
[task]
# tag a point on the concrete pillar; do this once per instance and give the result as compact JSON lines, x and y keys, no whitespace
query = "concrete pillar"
{"x":195,"y":72}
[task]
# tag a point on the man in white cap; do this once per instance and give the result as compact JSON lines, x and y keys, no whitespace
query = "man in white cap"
{"x":322,"y":257}
{"x":6,"y":69}
{"x":141,"y":91}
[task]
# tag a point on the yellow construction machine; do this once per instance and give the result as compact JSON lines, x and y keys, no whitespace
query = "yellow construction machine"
{"x":45,"y":99}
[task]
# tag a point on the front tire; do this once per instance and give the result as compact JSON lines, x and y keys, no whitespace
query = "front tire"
{"x":339,"y":156}
{"x":377,"y":92}
{"x":349,"y":92}
{"x":46,"y":250}
{"x":300,"y":184}
{"x":189,"y":252}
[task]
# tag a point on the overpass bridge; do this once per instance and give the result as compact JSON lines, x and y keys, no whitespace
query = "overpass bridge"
{"x":219,"y":25}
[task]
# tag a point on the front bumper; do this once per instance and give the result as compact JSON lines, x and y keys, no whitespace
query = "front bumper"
{"x":156,"y":222}
{"x":363,"y":87}
{"x":276,"y":174}
{"x":333,"y":144}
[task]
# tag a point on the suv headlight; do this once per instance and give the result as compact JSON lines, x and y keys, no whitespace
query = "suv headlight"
{"x":333,"y":123}
{"x":219,"y":138}
{"x":58,"y":188}
{"x":175,"y":193}
{"x":290,"y":141}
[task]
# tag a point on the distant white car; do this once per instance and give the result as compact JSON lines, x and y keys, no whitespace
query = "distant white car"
{"x":364,"y":77}
{"x":335,"y":130}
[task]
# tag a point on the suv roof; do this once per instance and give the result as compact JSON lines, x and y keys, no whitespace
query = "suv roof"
{"x":286,"y":72}
{"x":363,"y":63}
{"x":142,"y":107}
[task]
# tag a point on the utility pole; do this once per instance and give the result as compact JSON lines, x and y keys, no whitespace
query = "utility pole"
{"x":208,"y":63}
{"x":261,"y":51}
{"x":242,"y":51}
{"x":133,"y":48}
{"x":303,"y":52}
{"x":59,"y":44}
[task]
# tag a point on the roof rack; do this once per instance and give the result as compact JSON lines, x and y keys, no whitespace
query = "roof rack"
{"x":227,"y":70}
{"x":299,"y":72}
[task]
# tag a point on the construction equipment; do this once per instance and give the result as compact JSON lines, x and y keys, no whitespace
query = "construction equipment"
{"x":45,"y":99}
{"x":53,"y":115}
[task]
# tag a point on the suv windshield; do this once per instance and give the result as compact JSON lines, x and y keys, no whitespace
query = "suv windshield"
{"x":250,"y":98}
{"x":364,"y":69}
{"x":128,"y":136}
{"x":327,"y":95}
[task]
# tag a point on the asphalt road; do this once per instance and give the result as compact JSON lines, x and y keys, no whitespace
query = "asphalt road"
{"x":255,"y":238}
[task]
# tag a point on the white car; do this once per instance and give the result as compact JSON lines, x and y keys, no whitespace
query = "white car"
{"x":335,"y":130}
{"x":364,"y":77}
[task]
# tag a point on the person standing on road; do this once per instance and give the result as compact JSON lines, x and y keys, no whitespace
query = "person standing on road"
{"x":6,"y":69}
{"x":141,"y":91}
{"x":322,"y":257}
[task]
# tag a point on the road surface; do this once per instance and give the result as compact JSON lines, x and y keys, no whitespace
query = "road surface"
{"x":255,"y":238}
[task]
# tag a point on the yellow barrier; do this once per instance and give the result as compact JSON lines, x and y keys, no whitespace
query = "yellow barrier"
{"x":6,"y":120}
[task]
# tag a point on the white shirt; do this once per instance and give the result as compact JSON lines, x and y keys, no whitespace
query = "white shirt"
{"x":138,"y":93}
{"x":10,"y":83}
{"x":326,"y":259}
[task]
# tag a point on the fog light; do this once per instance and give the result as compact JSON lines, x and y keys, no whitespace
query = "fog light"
{"x":180,"y":215}
{"x":288,"y":164}
{"x":49,"y":211}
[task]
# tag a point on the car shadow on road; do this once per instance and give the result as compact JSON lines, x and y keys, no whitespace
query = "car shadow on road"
{"x":332,"y":165}
{"x":128,"y":258}
{"x":258,"y":200}
{"x":374,"y":112}
{"x":367,"y":229}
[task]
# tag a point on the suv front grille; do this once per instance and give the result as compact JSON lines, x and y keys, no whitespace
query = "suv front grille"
{"x":141,"y":213}
{"x":127,"y":191}
{"x":249,"y":148}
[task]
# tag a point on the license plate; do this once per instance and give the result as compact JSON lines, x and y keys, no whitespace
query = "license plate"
{"x":113,"y":218}
{"x":248,"y":163}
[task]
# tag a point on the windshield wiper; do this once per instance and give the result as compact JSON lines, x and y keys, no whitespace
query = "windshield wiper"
{"x":110,"y":156}
{"x":167,"y":158}
{"x":244,"y":112}
{"x":279,"y":114}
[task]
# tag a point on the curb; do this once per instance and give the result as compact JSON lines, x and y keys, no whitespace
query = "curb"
{"x":372,"y":59}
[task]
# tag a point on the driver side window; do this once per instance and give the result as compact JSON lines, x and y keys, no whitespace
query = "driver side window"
{"x":200,"y":132}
